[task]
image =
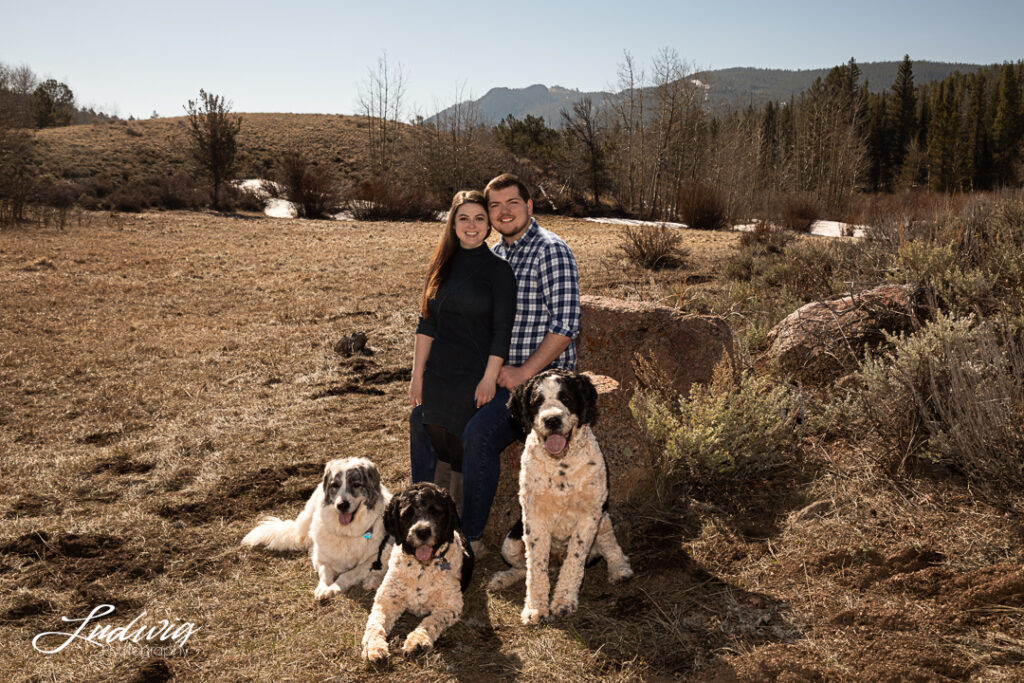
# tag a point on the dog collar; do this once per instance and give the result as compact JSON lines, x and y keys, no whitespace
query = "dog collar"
{"x":440,"y":560}
{"x":369,"y":534}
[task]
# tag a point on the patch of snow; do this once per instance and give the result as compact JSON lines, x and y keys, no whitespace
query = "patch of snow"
{"x":837,"y":229}
{"x":634,"y":222}
{"x":821,"y":228}
{"x":281,"y":208}
{"x":258,"y":187}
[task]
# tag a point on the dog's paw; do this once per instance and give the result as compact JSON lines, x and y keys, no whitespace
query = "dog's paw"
{"x":416,"y":642}
{"x":504,"y":579}
{"x":372,"y":581}
{"x":324,"y":592}
{"x":563,"y":607}
{"x":532,"y":616}
{"x":375,"y":650}
{"x":620,"y":573}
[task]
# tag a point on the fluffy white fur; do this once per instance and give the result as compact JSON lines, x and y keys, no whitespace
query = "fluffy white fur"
{"x":428,"y":570}
{"x":343,"y":554}
{"x":562,"y":494}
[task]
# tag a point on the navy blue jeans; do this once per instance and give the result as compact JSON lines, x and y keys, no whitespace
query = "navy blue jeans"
{"x":486,"y":435}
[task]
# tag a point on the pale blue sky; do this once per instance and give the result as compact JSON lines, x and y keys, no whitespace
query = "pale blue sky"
{"x":134,"y":57}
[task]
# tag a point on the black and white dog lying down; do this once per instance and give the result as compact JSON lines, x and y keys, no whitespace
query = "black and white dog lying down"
{"x":563,"y":491}
{"x":342,"y":525}
{"x":429,"y":569}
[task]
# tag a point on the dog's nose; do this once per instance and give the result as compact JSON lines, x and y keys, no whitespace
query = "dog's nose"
{"x":342,"y":506}
{"x":423,"y":533}
{"x":553,"y":423}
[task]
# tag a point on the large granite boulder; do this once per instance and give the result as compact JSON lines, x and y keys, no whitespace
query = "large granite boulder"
{"x":824,"y":339}
{"x":685,"y":348}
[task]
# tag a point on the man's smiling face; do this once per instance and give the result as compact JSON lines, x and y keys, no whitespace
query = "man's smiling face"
{"x":509,"y":213}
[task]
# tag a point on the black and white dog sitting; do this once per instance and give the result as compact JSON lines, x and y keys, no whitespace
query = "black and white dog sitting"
{"x":563,"y":491}
{"x":430,"y":567}
{"x":342,"y":525}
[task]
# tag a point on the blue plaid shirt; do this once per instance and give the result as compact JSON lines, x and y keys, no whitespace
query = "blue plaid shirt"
{"x":547,"y":293}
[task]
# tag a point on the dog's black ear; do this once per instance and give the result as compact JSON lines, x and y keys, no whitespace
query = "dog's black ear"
{"x":514,"y":405}
{"x":325,"y":483}
{"x":587,"y":393}
{"x":519,"y":404}
{"x":392,"y":517}
{"x":453,"y":518}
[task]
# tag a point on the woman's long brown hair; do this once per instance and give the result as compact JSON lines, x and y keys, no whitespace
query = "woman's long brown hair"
{"x":441,"y":261}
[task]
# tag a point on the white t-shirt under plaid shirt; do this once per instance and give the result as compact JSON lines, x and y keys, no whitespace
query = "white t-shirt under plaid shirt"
{"x":547,"y":293}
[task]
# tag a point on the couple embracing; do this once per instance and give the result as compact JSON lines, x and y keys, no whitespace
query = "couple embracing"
{"x":489,"y":320}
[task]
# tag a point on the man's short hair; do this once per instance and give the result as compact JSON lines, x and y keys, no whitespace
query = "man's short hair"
{"x":504,"y":181}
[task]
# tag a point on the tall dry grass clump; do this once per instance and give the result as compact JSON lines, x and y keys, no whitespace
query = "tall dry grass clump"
{"x":652,"y":247}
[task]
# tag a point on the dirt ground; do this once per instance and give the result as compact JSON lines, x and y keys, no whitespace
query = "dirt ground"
{"x":168,"y":378}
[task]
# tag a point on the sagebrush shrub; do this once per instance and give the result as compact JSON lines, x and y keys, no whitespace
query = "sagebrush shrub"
{"x":652,"y":247}
{"x":767,"y":237}
{"x":806,"y":270}
{"x":953,"y":391}
{"x":719,"y":429}
{"x":972,"y":261}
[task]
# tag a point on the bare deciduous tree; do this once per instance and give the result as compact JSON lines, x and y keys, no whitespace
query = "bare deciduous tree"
{"x":16,"y":86}
{"x":583,"y":127}
{"x":381,"y":101}
{"x":455,"y":149}
{"x":629,"y":177}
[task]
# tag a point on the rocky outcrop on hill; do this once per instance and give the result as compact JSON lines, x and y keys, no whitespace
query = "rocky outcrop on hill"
{"x":823,"y":339}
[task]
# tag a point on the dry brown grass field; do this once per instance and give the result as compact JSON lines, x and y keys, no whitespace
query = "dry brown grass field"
{"x":168,"y":378}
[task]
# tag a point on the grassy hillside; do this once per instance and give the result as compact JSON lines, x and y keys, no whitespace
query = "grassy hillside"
{"x":139,"y":150}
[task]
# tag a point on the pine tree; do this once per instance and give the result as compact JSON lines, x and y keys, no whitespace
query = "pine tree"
{"x":1008,"y":125}
{"x":942,"y":140}
{"x":880,"y":143}
{"x":902,"y":112}
{"x":214,"y":134}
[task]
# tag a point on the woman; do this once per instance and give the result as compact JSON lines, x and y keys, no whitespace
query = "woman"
{"x":466,"y":313}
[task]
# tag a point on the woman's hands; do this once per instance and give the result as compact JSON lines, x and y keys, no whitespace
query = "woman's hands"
{"x":488,"y":386}
{"x":420,"y":351}
{"x":485,"y":391}
{"x":416,"y":390}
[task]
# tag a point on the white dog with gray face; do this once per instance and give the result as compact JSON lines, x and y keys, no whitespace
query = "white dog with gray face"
{"x":342,"y":525}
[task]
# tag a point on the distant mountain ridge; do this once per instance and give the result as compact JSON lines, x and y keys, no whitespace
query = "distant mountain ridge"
{"x":535,"y":100}
{"x":737,"y":86}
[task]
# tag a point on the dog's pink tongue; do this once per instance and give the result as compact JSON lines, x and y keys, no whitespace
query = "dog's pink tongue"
{"x":344,"y":518}
{"x":555,"y":444}
{"x":424,"y":553}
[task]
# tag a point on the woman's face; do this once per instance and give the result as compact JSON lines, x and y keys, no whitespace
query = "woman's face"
{"x":471,"y":225}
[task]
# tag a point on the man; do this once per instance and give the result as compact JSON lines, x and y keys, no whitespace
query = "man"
{"x":547,"y":320}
